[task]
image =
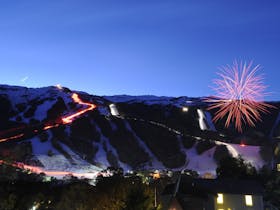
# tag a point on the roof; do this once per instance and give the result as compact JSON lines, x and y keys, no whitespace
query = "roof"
{"x":202,"y":187}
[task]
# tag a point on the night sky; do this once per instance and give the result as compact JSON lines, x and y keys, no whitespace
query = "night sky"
{"x":136,"y":47}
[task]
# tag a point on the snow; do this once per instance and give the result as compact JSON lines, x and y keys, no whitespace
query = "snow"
{"x":127,"y":98}
{"x":58,"y":162}
{"x":203,"y":163}
{"x":103,"y":110}
{"x":250,"y":154}
{"x":205,"y":120}
{"x":155,"y":162}
{"x":40,"y":113}
{"x":105,"y":140}
{"x":201,"y":118}
{"x":23,"y":95}
{"x":209,"y":121}
{"x":101,"y":156}
{"x":247,"y":152}
{"x":40,"y":148}
{"x":113,"y":109}
{"x":151,"y":100}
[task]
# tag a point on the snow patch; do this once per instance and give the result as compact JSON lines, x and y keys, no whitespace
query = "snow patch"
{"x":203,"y":163}
{"x":250,"y":154}
{"x":41,"y":111}
{"x":113,"y":109}
{"x":155,"y":162}
{"x":151,"y":100}
{"x":103,"y":110}
{"x":109,"y":147}
{"x":58,"y":162}
{"x":201,"y":118}
{"x":209,"y":121}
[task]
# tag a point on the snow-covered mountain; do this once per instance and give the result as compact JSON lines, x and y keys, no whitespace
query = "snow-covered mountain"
{"x":56,"y":129}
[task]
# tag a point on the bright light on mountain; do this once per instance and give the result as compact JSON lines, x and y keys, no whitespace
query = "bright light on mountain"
{"x":185,"y":109}
{"x":114,"y":110}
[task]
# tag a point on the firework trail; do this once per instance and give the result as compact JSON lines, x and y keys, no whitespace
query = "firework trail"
{"x":239,"y":94}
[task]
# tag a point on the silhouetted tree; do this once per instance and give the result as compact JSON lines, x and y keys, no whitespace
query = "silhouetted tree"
{"x":230,"y":167}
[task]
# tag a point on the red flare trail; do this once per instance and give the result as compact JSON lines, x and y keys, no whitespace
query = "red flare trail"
{"x":64,"y":120}
{"x":75,"y":97}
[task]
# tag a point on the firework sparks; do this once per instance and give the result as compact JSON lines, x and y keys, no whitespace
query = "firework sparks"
{"x":240,"y":91}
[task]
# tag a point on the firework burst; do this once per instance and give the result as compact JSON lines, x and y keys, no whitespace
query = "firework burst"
{"x":239,"y":94}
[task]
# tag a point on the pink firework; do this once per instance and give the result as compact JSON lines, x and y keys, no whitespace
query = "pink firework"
{"x":239,"y":95}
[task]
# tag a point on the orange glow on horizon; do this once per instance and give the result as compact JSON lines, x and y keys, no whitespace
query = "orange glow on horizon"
{"x":39,"y":170}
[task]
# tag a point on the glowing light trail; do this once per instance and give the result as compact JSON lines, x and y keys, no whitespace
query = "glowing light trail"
{"x":239,"y":95}
{"x":49,"y":125}
{"x":12,"y":137}
{"x":39,"y":170}
{"x":75,"y":97}
{"x":64,"y":120}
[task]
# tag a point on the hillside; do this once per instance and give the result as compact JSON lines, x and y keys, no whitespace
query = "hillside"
{"x":58,"y":131}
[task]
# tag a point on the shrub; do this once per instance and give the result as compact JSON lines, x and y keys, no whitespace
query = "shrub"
{"x":221,"y":152}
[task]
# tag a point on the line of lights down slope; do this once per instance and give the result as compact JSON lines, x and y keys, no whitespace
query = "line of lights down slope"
{"x":202,"y":126}
{"x":64,"y":120}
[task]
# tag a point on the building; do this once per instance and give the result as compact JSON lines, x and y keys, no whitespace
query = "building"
{"x":213,"y":194}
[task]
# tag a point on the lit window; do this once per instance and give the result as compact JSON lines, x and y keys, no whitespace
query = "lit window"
{"x":278,"y":167}
{"x":248,"y":200}
{"x":220,"y":198}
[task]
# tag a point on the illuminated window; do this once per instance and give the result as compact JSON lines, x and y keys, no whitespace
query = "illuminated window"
{"x":278,"y":167}
{"x":220,"y":198}
{"x":248,"y":200}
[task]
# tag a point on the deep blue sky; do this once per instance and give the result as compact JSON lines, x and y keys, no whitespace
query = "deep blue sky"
{"x":136,"y":47}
